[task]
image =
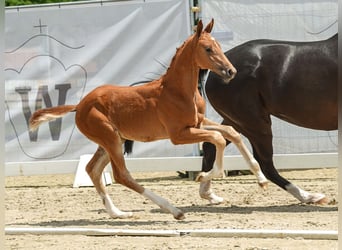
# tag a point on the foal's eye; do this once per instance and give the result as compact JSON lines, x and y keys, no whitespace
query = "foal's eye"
{"x":208,"y":49}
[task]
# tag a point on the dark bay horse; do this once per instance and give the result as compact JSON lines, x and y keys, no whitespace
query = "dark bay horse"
{"x":294,"y":81}
{"x":168,"y":107}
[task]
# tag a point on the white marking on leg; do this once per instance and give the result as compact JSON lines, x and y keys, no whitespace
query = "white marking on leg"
{"x":253,"y":164}
{"x":206,"y":193}
{"x":163,"y":204}
{"x":303,"y":195}
{"x":213,"y":173}
{"x":217,"y":171}
{"x":112,"y":210}
{"x":256,"y":170}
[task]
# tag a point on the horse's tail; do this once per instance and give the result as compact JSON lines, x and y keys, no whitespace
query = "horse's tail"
{"x":128,"y":146}
{"x":49,"y":114}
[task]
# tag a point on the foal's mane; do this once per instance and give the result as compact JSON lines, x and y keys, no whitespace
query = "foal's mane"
{"x":178,"y":51}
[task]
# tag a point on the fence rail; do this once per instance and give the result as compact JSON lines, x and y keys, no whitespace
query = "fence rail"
{"x":164,"y":164}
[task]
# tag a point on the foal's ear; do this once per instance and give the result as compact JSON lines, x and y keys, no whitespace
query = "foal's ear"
{"x":209,"y":26}
{"x":199,"y":28}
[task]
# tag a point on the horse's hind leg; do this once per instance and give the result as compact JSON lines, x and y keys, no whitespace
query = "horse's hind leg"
{"x":263,"y":151}
{"x":94,"y":169}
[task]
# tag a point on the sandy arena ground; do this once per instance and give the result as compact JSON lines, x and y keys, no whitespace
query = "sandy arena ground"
{"x":50,"y":201}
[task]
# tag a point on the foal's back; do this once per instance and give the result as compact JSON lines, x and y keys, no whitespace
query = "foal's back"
{"x":130,"y":110}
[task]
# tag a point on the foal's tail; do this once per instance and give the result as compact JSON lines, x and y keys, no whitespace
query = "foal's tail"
{"x":49,"y":114}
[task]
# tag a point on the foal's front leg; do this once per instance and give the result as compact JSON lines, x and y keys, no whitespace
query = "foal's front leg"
{"x":196,"y":135}
{"x":217,"y":171}
{"x":232,"y":135}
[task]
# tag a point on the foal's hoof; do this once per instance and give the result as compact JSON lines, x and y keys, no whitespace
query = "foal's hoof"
{"x":200,"y":177}
{"x":179,"y":216}
{"x":122,"y":215}
{"x":212,"y":198}
{"x":263,"y":185}
{"x":322,"y":201}
{"x":319,"y":199}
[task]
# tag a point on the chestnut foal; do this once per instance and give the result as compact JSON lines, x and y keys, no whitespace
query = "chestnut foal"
{"x":161,"y":109}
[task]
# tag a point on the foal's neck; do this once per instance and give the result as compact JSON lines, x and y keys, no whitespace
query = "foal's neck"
{"x":183,"y":71}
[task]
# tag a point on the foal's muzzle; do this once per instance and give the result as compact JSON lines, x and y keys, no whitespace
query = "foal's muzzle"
{"x":228,"y":74}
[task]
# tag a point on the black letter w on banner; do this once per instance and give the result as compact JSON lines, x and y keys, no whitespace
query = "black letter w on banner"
{"x":43,"y":95}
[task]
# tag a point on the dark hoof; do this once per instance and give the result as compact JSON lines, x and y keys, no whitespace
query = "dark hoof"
{"x":180,"y":216}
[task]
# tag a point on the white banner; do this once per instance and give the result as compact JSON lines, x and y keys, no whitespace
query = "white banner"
{"x":56,"y":54}
{"x":238,"y":21}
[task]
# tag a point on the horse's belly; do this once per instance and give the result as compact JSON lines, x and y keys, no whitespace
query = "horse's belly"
{"x":321,"y":118}
{"x":307,"y":106}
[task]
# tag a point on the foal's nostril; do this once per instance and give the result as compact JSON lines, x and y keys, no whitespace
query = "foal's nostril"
{"x":228,"y":73}
{"x":231,"y":72}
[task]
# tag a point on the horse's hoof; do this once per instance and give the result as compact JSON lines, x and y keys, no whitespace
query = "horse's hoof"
{"x":179,"y":216}
{"x":263,"y":185}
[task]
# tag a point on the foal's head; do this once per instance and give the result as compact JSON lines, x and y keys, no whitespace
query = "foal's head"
{"x":209,"y":55}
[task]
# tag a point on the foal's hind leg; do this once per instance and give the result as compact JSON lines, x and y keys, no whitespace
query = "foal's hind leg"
{"x":123,"y":177}
{"x":96,"y":126}
{"x":94,"y":169}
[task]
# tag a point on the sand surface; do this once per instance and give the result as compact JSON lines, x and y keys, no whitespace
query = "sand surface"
{"x":50,"y":201}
